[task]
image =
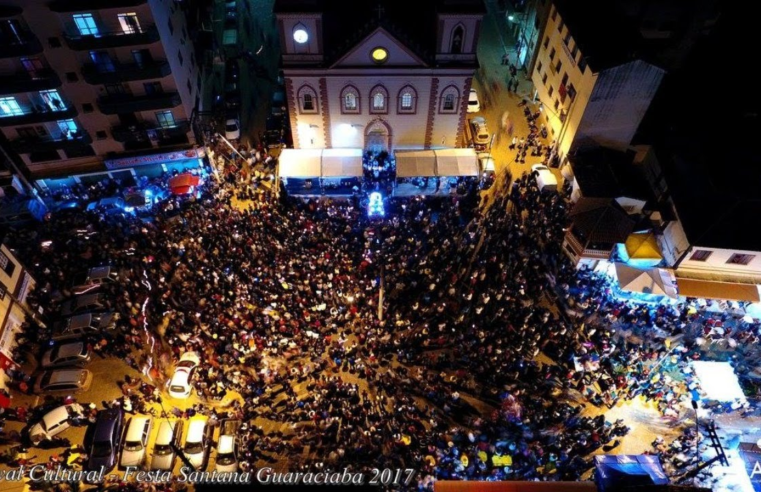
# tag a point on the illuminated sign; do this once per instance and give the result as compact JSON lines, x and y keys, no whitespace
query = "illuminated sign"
{"x":751,"y":456}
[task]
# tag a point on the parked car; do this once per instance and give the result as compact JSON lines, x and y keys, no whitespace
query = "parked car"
{"x":474,"y":106}
{"x":488,"y":171}
{"x":93,"y":278}
{"x":179,"y":386}
{"x":55,"y":421}
{"x":105,"y":441}
{"x":67,"y":354}
{"x":136,"y":441}
{"x":545,"y":180}
{"x":232,"y":129}
{"x":83,"y":304}
{"x":227,"y":460}
{"x":167,"y":440}
{"x":108,"y":206}
{"x":479,"y":133}
{"x":63,"y":380}
{"x":85,"y":324}
{"x":197,"y":442}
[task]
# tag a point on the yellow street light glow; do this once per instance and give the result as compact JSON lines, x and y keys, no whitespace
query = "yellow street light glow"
{"x":380,"y":55}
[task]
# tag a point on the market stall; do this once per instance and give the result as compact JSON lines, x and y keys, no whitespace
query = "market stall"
{"x":456,"y":168}
{"x":415,"y":173}
{"x":300,"y":171}
{"x":341,"y":171}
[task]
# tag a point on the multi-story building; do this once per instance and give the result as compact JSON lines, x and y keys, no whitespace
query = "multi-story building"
{"x":83,"y":82}
{"x":593,"y":86}
{"x":386,"y":79}
{"x":15,"y":285}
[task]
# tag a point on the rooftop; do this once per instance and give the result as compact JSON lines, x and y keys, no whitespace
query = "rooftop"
{"x":600,"y":221}
{"x":602,"y":172}
{"x":604,"y":35}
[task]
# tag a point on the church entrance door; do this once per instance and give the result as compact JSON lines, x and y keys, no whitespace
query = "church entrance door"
{"x":377,"y":137}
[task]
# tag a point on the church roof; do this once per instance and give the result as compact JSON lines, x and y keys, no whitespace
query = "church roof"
{"x":345,"y":24}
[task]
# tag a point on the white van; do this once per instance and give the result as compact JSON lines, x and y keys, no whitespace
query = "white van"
{"x":136,"y":440}
{"x":545,"y":180}
{"x":167,"y":440}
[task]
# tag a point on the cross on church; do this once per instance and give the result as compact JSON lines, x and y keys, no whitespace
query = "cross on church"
{"x":380,"y":11}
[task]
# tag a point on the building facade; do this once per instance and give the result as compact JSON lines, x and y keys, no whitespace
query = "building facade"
{"x":384,"y":81}
{"x":84,"y":81}
{"x":593,"y":87}
{"x":15,"y":285}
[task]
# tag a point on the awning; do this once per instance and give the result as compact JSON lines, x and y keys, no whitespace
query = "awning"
{"x":707,"y":289}
{"x":656,"y":281}
{"x":300,"y":163}
{"x":643,"y":247}
{"x":456,"y":162}
{"x":341,"y":163}
{"x":415,"y":163}
{"x":183,"y":180}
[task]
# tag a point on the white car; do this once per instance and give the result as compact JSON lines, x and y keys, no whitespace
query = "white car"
{"x":473,"y":105}
{"x":136,"y":440}
{"x":179,"y":386}
{"x":197,"y":442}
{"x":232,"y":129}
{"x":226,"y":459}
{"x":545,"y":180}
{"x":55,"y":421}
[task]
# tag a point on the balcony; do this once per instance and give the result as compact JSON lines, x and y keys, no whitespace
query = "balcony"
{"x":63,"y":6}
{"x":23,"y":82}
{"x":50,"y":142}
{"x":127,"y":103}
{"x":126,"y":72}
{"x":114,"y":39}
{"x":41,"y":115}
{"x":149,"y":131}
{"x":26,"y":44}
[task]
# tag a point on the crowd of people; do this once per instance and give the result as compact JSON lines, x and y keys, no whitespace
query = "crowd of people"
{"x":443,"y":373}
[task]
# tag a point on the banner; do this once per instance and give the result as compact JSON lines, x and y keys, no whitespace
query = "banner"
{"x":751,"y":456}
{"x":142,"y":160}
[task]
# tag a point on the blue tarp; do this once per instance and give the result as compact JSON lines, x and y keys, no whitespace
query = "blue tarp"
{"x":613,"y":471}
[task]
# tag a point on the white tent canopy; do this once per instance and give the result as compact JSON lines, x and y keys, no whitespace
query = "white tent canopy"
{"x":300,"y":163}
{"x":456,"y":162}
{"x":341,"y":163}
{"x":656,"y":281}
{"x":415,"y":163}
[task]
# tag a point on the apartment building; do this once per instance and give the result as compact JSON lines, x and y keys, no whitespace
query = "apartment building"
{"x":15,"y":285}
{"x":84,"y":83}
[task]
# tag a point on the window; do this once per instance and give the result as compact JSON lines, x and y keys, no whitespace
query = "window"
{"x":565,"y":79}
{"x":350,"y":100}
{"x":544,"y":79}
{"x":72,"y":77}
{"x":33,"y":67}
{"x":189,"y":86}
{"x":69,"y":129}
{"x":6,"y":264}
{"x":179,"y":57}
{"x":546,"y":42}
{"x":153,"y":87}
{"x":561,"y":25}
{"x":101,"y":135}
{"x":458,"y":33}
{"x":557,"y":104}
{"x":582,"y":64}
{"x":142,"y":57}
{"x":700,"y":255}
{"x":379,"y":102}
{"x":407,"y":100}
{"x":539,"y":68}
{"x":740,"y":259}
{"x":307,"y":99}
{"x":575,"y":51}
{"x":558,"y":66}
{"x":171,"y":26}
{"x":308,"y":103}
{"x":230,"y":37}
{"x":551,"y":91}
{"x":103,"y":62}
{"x":129,"y":23}
{"x":44,"y":155}
{"x":30,"y":132}
{"x":567,"y":39}
{"x":552,"y":54}
{"x":115,"y":89}
{"x":10,"y":107}
{"x":53,"y":100}
{"x":165,"y":119}
{"x":554,"y":14}
{"x":571,"y":92}
{"x":378,"y":99}
{"x":86,"y":24}
{"x":54,"y":42}
{"x":87,"y":108}
{"x":449,"y":102}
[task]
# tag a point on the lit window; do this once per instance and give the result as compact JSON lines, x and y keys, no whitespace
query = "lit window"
{"x":53,"y":100}
{"x":350,"y":101}
{"x":379,"y":101}
{"x":103,"y":62}
{"x":449,"y":102}
{"x":68,"y":129}
{"x":129,"y":23}
{"x":380,"y":55}
{"x":165,"y":119}
{"x":700,"y":255}
{"x":86,"y":24}
{"x":407,"y":100}
{"x":308,"y":104}
{"x":9,"y":107}
{"x":740,"y":259}
{"x":230,"y":37}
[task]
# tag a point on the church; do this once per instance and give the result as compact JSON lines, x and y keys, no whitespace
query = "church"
{"x":390,"y":75}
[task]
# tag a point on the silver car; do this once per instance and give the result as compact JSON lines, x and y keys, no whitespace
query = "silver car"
{"x":63,"y":381}
{"x":85,"y":324}
{"x":67,"y":354}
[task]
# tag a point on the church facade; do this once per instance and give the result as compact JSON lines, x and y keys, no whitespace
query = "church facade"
{"x":378,"y":76}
